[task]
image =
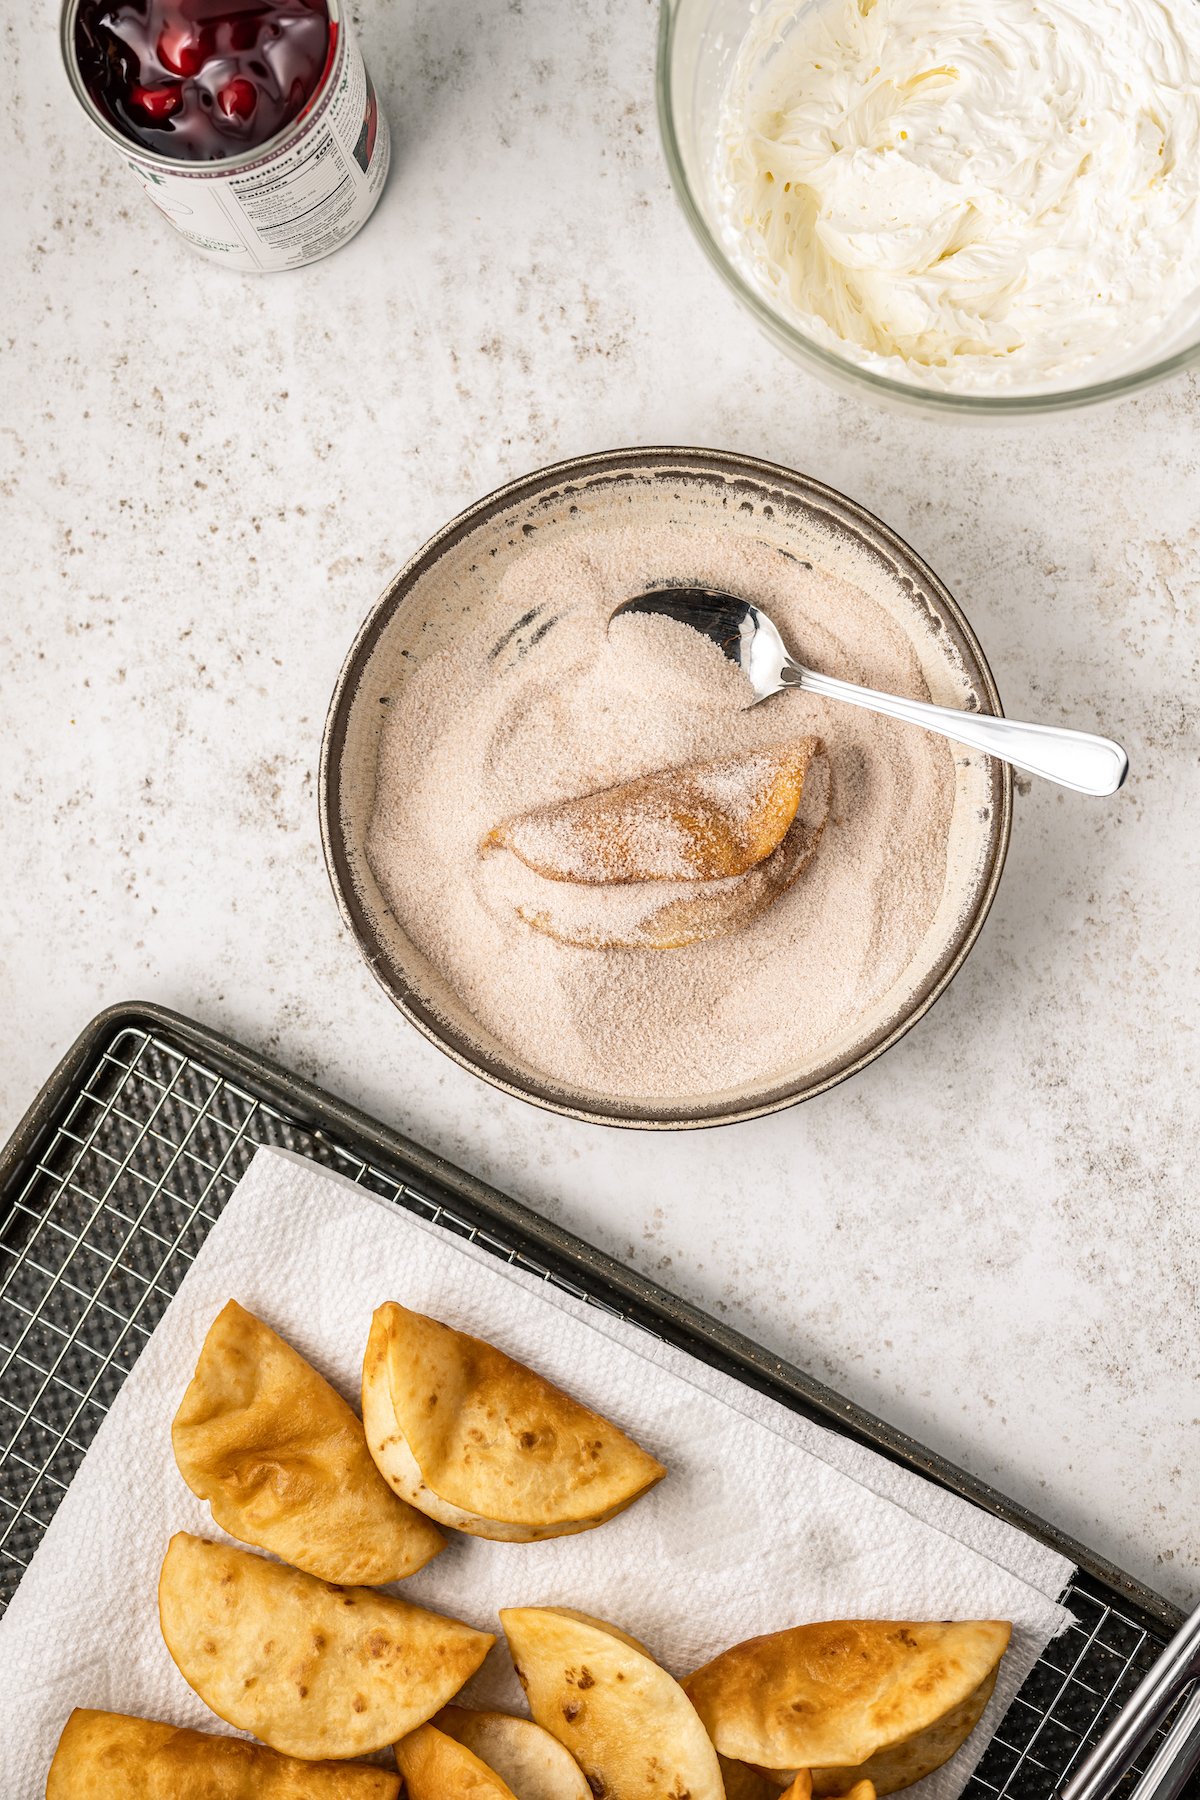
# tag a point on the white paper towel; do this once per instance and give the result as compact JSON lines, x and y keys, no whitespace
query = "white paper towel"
{"x":763,"y":1521}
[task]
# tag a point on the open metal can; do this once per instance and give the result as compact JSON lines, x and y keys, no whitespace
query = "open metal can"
{"x":290,"y":201}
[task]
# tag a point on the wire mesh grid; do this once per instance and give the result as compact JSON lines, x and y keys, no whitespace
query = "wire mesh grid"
{"x":100,"y":1232}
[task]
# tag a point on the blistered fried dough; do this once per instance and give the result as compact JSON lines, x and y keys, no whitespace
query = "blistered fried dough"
{"x":533,"y":1763}
{"x":902,"y":1764}
{"x":283,"y":1462}
{"x":703,"y":822}
{"x":438,"y":1767}
{"x":854,"y":1700}
{"x":628,"y":1724}
{"x":312,"y":1669}
{"x":743,"y":1782}
{"x":652,"y":916}
{"x":482,"y":1443}
{"x":107,"y":1756}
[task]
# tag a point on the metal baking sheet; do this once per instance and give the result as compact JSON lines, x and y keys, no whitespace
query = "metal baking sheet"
{"x":113,"y":1179}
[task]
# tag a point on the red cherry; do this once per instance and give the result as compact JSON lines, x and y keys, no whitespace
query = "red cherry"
{"x":157,"y":102}
{"x":181,"y":50}
{"x":237,"y":99}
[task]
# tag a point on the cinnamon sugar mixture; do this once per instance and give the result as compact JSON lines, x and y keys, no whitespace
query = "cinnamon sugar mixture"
{"x":531,"y":699}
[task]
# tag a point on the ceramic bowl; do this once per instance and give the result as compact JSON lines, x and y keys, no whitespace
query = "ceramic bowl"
{"x":422,"y":608}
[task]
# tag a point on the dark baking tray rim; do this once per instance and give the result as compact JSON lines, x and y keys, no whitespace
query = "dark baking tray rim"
{"x":567,"y":1256}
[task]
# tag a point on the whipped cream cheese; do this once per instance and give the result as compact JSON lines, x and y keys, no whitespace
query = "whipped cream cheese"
{"x":989,"y":195}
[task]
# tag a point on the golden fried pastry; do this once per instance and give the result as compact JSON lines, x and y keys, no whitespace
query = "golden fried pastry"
{"x":283,"y":1462}
{"x":108,"y":1756}
{"x":860,"y":1700}
{"x":628,"y":1724}
{"x":480,"y":1442}
{"x":312,"y":1669}
{"x":438,"y":1767}
{"x":744,"y":1782}
{"x":534,"y":1764}
{"x":662,"y":916}
{"x":704,"y":822}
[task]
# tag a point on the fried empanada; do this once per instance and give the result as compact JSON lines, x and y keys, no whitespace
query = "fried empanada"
{"x":284,"y":1465}
{"x":852,"y":1701}
{"x":668,"y":916}
{"x":703,"y":822}
{"x":628,"y":1724}
{"x":108,"y":1756}
{"x":438,"y":1767}
{"x":312,"y":1669}
{"x":480,"y":1442}
{"x":744,"y":1782}
{"x":533,"y":1763}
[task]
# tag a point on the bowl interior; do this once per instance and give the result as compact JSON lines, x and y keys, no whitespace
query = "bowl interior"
{"x":449,"y":587}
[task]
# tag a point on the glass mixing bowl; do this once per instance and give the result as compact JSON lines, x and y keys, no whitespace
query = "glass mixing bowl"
{"x":697,"y":46}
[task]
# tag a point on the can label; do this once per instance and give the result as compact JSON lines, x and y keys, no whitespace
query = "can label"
{"x":300,"y":198}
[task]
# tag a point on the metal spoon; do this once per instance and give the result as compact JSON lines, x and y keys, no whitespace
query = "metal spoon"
{"x":1075,"y":759}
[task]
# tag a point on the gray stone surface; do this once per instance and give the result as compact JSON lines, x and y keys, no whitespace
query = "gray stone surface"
{"x":990,"y":1236}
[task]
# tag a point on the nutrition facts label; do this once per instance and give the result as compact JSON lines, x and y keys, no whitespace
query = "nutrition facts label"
{"x":291,"y":207}
{"x":304,"y":201}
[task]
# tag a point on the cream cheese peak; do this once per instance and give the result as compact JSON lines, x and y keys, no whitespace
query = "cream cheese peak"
{"x":998,"y":194}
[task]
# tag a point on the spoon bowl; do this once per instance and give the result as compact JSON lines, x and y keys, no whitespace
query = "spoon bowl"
{"x":752,"y":642}
{"x":743,"y":634}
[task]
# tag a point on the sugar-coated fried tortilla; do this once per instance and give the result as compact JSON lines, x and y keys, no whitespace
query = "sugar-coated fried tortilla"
{"x":480,"y":1442}
{"x":628,"y":1724}
{"x":700,"y":822}
{"x":665,"y":915}
{"x":533,"y":1763}
{"x":852,"y":1700}
{"x":107,"y":1756}
{"x":312,"y":1669}
{"x":283,"y":1463}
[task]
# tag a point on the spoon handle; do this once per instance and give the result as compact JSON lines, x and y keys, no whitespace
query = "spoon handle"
{"x":1075,"y":759}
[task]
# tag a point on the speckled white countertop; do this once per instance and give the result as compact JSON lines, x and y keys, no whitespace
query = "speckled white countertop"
{"x":990,"y":1237}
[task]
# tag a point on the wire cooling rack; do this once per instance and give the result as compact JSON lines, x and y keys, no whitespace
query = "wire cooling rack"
{"x":109,"y":1190}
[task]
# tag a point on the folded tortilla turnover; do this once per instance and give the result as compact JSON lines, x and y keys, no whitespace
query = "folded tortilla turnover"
{"x":107,"y":1756}
{"x":480,"y":1442}
{"x":703,"y":822}
{"x":437,"y":1767}
{"x":283,"y":1462}
{"x":533,"y":1763}
{"x":744,"y":1782}
{"x":312,"y":1669}
{"x":628,"y":1724}
{"x":662,"y":915}
{"x":853,"y":1700}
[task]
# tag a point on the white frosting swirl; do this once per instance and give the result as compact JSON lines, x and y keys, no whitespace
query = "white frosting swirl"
{"x":989,"y":195}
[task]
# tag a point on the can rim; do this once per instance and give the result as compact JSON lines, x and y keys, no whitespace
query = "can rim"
{"x":185,"y":168}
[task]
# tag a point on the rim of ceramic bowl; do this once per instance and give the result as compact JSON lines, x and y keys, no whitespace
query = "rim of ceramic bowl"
{"x":776,"y":1095}
{"x":839,"y":369}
